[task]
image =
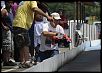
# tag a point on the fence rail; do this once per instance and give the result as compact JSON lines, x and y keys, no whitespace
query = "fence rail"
{"x":87,"y":30}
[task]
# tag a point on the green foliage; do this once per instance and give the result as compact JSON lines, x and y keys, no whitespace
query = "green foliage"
{"x":69,"y":8}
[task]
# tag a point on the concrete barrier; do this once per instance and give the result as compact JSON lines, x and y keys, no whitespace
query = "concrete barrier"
{"x":95,"y":42}
{"x":53,"y":63}
{"x":94,"y":45}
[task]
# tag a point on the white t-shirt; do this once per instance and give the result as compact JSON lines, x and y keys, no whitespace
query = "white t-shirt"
{"x":37,"y":32}
{"x":46,"y":27}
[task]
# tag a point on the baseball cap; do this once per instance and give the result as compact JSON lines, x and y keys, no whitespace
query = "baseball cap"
{"x":56,"y":15}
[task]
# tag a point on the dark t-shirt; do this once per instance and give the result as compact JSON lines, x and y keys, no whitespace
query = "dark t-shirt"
{"x":63,"y":22}
{"x":7,"y":21}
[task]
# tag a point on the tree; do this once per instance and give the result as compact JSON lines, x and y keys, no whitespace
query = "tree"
{"x":91,"y":8}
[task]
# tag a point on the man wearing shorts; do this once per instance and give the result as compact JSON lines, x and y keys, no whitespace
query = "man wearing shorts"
{"x":21,"y":24}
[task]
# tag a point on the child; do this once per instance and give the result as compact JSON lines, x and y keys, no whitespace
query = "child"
{"x":45,"y":31}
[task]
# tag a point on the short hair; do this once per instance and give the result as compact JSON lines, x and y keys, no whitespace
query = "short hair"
{"x":4,"y":11}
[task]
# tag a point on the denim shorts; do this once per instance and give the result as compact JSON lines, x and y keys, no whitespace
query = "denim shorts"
{"x":46,"y":54}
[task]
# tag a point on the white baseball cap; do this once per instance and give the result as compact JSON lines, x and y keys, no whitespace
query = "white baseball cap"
{"x":56,"y":15}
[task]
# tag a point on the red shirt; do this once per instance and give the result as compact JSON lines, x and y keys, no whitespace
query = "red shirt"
{"x":63,"y":22}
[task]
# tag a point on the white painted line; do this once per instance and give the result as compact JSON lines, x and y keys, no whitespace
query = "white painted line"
{"x":10,"y":69}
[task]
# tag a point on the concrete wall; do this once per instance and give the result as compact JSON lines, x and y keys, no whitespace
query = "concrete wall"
{"x":53,"y":63}
{"x":92,"y":45}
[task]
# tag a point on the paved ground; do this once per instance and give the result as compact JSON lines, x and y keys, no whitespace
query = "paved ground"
{"x":88,"y":61}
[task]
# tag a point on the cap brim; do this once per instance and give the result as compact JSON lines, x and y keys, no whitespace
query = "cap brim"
{"x":57,"y":18}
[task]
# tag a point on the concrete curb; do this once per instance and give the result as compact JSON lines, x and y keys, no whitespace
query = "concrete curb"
{"x":53,"y":63}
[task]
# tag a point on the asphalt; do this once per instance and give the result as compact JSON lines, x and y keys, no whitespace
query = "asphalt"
{"x":87,"y":61}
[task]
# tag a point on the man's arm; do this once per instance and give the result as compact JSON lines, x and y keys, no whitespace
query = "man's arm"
{"x":49,"y":34}
{"x":38,"y":10}
{"x":42,"y":13}
{"x":45,"y":31}
{"x":5,"y":27}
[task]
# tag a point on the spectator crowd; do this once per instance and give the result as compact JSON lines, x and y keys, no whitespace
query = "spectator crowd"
{"x":30,"y":34}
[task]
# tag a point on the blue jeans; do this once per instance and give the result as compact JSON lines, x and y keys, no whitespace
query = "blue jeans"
{"x":46,"y":54}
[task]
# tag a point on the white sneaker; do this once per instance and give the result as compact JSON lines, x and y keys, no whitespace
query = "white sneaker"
{"x":37,"y":62}
{"x":12,"y":60}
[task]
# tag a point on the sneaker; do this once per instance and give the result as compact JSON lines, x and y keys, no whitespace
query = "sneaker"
{"x":34,"y":63}
{"x":25,"y":65}
{"x":12,"y":60}
{"x":38,"y":62}
{"x":10,"y":63}
{"x":21,"y":65}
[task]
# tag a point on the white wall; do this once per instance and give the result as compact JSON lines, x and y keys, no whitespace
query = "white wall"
{"x":53,"y":63}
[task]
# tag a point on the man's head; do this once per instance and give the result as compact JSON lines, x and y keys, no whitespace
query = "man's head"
{"x":60,"y":13}
{"x":56,"y":17}
{"x":4,"y":12}
{"x":10,"y":2}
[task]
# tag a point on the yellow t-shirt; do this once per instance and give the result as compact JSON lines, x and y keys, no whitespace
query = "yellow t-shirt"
{"x":25,"y":15}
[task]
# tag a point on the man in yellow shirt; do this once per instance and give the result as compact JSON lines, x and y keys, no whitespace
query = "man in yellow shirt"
{"x":21,"y":24}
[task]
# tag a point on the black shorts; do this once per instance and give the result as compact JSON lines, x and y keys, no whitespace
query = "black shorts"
{"x":21,"y":37}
